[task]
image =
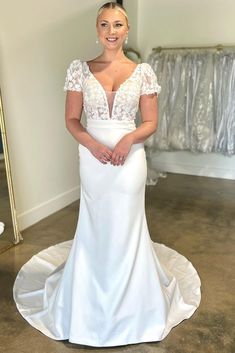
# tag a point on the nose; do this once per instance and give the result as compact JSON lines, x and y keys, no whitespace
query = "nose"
{"x":112,"y":29}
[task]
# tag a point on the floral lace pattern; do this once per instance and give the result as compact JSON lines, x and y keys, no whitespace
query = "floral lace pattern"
{"x":125,"y":103}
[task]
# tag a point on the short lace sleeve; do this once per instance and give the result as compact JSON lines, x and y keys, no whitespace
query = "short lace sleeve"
{"x":73,"y":80}
{"x":149,"y":80}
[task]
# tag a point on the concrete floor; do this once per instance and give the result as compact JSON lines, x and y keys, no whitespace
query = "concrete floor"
{"x":195,"y":216}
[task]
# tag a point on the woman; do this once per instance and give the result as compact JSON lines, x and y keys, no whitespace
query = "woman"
{"x":111,"y":285}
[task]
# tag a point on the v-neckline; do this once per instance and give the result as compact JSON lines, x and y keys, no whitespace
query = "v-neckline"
{"x":127,"y":79}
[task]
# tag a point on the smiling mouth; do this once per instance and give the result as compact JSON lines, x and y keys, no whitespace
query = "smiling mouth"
{"x":112,"y":40}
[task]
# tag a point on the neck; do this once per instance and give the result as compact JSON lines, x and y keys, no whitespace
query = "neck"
{"x":112,"y":55}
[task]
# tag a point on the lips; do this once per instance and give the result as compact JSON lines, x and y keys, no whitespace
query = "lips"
{"x":111,"y":39}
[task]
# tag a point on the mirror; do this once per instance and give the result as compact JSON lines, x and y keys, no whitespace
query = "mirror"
{"x":132,"y":54}
{"x":9,"y":232}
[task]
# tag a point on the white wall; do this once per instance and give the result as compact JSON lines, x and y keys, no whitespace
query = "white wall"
{"x":176,"y":23}
{"x":132,"y":8}
{"x":37,"y":42}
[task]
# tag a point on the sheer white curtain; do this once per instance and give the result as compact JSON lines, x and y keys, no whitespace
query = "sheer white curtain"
{"x":197,"y":101}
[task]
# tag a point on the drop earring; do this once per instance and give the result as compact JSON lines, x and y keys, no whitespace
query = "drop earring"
{"x":97,"y":40}
{"x":126,"y":40}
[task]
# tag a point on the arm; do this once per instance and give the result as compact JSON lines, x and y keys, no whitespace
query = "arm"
{"x":73,"y":112}
{"x":149,"y":115}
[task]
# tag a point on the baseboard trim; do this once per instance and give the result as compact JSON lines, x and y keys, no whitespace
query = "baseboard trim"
{"x":208,"y":165}
{"x":45,"y":209}
{"x":189,"y":169}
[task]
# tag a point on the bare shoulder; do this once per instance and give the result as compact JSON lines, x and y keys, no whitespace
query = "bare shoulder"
{"x":132,"y":65}
{"x":97,"y":60}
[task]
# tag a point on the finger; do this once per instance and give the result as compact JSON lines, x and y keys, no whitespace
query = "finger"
{"x":116,"y":158}
{"x":122,"y":160}
{"x":106,"y":151}
{"x":119,"y":160}
{"x":109,"y":152}
{"x":104,"y":159}
{"x":107,"y":156}
{"x":113,"y":158}
{"x":115,"y":161}
{"x":101,"y":158}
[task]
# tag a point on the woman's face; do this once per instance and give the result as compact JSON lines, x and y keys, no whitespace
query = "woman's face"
{"x":112,"y":28}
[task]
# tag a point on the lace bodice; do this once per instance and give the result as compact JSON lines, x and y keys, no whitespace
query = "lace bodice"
{"x":121,"y":104}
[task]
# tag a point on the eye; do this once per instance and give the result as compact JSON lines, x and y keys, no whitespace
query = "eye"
{"x":119,"y":24}
{"x":103,"y":24}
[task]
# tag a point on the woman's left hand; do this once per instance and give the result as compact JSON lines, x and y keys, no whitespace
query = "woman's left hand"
{"x":121,"y":150}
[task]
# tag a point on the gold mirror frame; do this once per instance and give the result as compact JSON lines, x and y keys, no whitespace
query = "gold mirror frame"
{"x":17,"y":235}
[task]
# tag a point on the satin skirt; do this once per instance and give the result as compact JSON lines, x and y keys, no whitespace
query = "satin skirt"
{"x":111,"y":284}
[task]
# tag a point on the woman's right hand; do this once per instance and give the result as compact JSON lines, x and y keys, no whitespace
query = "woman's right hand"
{"x":101,"y":152}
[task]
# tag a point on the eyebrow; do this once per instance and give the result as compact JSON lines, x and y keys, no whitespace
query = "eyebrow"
{"x":108,"y":21}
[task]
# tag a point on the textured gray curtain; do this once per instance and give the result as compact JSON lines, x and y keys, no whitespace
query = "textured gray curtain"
{"x":197,"y":101}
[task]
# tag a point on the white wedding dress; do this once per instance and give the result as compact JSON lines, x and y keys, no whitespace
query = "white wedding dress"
{"x":111,"y":285}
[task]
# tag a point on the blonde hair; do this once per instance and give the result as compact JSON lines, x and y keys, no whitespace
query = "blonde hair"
{"x":113,"y":5}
